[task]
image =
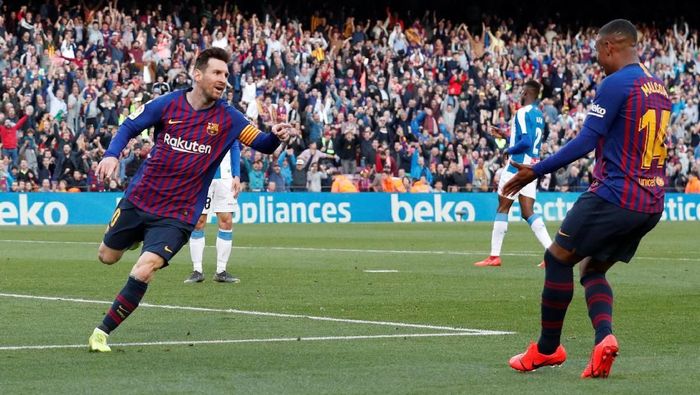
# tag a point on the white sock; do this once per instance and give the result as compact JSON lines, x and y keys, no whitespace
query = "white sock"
{"x":197,"y":243}
{"x":224,"y":242}
{"x":537,"y":226}
{"x":500,"y":227}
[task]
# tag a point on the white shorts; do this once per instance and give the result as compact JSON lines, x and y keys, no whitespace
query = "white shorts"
{"x":530,"y":190}
{"x":220,"y":198}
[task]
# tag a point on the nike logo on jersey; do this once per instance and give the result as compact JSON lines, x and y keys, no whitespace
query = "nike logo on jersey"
{"x":168,"y":249}
{"x":174,"y":122}
{"x":562,"y":233}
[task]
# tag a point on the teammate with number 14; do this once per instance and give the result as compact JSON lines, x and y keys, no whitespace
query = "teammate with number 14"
{"x":626,"y":125}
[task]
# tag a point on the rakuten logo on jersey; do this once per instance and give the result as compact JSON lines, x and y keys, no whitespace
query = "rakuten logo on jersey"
{"x":597,"y":111}
{"x":190,"y":147}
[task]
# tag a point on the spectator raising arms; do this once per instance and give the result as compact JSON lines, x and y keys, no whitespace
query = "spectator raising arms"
{"x":361,"y":91}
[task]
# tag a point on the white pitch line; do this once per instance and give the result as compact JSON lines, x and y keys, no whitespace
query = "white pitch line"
{"x":381,"y":271}
{"x":267,"y":314}
{"x":369,"y":251}
{"x":304,"y":249}
{"x":233,"y":341}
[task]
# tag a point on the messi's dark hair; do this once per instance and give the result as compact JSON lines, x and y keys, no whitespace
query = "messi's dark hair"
{"x":210,"y":53}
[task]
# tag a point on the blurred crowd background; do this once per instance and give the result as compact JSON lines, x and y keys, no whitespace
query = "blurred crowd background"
{"x":400,"y":101}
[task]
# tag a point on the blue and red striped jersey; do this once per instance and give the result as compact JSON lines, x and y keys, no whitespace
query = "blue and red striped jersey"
{"x":630,"y":113}
{"x":188,"y":148}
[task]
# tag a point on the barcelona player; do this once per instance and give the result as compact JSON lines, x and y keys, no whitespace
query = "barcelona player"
{"x":626,"y":125}
{"x":524,"y":147}
{"x":194,"y":129}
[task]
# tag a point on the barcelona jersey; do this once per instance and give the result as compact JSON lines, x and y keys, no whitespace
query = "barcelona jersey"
{"x":188,"y":148}
{"x":630,"y":113}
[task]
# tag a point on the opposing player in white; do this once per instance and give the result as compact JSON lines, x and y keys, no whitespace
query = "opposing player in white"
{"x":525,"y":141}
{"x":221,"y":199}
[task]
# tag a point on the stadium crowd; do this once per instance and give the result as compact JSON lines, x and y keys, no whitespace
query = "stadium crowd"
{"x":397,"y":103}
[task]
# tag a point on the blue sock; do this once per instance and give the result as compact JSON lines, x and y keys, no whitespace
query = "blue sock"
{"x":556,"y":295}
{"x":125,"y":303}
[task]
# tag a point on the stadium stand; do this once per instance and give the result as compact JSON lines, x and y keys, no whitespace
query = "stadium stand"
{"x":387,"y":104}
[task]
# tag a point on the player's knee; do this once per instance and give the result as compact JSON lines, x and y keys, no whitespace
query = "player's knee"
{"x":226,"y":225}
{"x":107,"y":257}
{"x":592,"y":266}
{"x":562,"y":255}
{"x":225,"y":221}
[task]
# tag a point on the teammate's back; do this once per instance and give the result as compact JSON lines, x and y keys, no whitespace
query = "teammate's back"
{"x":631,"y":113}
{"x":626,"y":125}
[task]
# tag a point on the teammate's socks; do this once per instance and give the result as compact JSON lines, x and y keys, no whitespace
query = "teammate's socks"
{"x":599,"y":298}
{"x":556,"y":295}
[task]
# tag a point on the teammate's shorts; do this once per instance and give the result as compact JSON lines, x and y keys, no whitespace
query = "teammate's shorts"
{"x":160,"y":235}
{"x":220,"y":198}
{"x":530,"y":190}
{"x":605,"y":231}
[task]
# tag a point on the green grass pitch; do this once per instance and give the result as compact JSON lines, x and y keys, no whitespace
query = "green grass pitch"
{"x":336,"y":326}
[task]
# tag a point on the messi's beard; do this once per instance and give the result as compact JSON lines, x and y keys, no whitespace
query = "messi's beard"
{"x":211,"y":94}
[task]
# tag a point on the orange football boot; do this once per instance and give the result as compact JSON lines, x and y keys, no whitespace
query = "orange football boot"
{"x":490,"y":261}
{"x":602,"y":358}
{"x":531,"y":359}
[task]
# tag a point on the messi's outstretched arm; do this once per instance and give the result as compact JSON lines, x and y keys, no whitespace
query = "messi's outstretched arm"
{"x":266,"y":143}
{"x":144,"y":117}
{"x":251,"y":136}
{"x":236,"y":159}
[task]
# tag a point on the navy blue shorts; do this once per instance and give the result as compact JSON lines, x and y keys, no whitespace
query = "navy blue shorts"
{"x":607,"y":232}
{"x":160,"y":235}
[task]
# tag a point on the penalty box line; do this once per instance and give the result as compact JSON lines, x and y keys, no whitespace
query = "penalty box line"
{"x":271,"y":314}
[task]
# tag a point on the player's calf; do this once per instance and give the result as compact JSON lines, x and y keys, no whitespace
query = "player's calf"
{"x":146,"y":266}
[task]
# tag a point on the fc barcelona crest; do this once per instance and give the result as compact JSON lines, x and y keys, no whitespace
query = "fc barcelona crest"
{"x":212,"y":128}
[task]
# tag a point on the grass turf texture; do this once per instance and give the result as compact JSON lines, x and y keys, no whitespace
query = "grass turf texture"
{"x":656,"y":315}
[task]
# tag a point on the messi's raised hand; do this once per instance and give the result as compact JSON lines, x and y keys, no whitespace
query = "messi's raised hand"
{"x":236,"y":186}
{"x":282,"y":131}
